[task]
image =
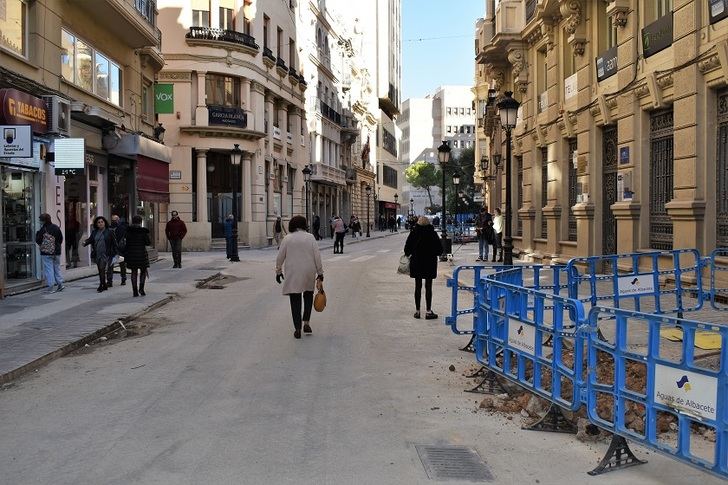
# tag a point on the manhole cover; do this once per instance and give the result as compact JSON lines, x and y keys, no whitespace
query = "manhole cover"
{"x":453,"y":463}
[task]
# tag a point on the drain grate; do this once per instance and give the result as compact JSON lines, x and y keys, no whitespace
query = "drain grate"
{"x":453,"y":463}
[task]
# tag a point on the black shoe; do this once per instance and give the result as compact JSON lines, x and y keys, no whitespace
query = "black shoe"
{"x":417,"y":314}
{"x":100,"y":288}
{"x":307,"y":328}
{"x":135,"y":294}
{"x":500,"y":260}
{"x":430,"y":315}
{"x":141,"y":292}
{"x":492,"y":260}
{"x":297,"y":333}
{"x":123,"y":282}
{"x":109,"y":285}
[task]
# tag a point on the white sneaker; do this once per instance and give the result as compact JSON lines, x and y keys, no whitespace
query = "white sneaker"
{"x":61,"y":287}
{"x":50,"y":291}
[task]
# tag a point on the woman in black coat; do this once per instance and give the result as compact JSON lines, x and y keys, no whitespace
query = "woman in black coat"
{"x":137,"y":259}
{"x":423,"y":247}
{"x":103,"y":250}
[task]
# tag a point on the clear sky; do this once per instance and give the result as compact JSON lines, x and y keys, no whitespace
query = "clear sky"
{"x":428,"y":64}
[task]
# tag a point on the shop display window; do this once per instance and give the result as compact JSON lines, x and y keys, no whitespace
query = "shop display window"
{"x":18,"y":205}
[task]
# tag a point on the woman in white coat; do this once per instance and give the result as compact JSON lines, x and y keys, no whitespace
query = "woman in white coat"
{"x":299,"y":258}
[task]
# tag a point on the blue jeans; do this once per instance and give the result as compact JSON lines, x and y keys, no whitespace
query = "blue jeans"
{"x":483,"y":248}
{"x":52,"y":270}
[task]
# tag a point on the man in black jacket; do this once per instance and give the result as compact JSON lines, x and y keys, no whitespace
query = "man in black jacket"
{"x":484,"y":229}
{"x":49,"y":239}
{"x":118,"y":227}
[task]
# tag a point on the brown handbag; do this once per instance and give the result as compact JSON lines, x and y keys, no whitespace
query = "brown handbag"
{"x":319,"y":301}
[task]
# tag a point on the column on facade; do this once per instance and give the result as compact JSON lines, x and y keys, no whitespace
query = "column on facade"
{"x":527,"y":212}
{"x":269,"y":107}
{"x":270,"y":183}
{"x":552,"y":211}
{"x":283,"y":121}
{"x":245,"y":87}
{"x":201,"y":114}
{"x":257,"y":100}
{"x":247,"y":184}
{"x":201,"y":189}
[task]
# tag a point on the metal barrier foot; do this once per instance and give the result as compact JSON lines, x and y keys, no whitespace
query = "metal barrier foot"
{"x":470,"y":347}
{"x":489,"y":385}
{"x":482,"y":372}
{"x":553,"y":421}
{"x":618,"y":456}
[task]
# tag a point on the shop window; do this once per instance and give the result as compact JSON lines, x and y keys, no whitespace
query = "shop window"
{"x":607,"y":30}
{"x":89,"y":69}
{"x":14,"y":26}
{"x":222,"y":90}
{"x":279,"y":41}
{"x":147,"y":100}
{"x":200,"y":13}
{"x":18,"y":209}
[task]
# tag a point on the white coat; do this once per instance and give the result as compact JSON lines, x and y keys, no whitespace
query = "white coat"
{"x":299,"y":260}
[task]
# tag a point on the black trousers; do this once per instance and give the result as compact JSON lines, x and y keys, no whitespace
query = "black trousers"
{"x":428,"y":293}
{"x":339,"y":242}
{"x":498,"y":244}
{"x":138,"y":278}
{"x":110,"y":272}
{"x":176,"y":245}
{"x":296,"y":308}
{"x":105,"y":267}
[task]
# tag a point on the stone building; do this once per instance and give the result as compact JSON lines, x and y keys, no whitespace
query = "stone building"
{"x":81,"y":70}
{"x":236,"y":77}
{"x":622,"y":138}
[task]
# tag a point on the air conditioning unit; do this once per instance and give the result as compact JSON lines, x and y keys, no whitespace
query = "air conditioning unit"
{"x":59,"y":115}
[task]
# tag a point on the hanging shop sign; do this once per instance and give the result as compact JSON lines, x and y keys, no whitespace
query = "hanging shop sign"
{"x":227,"y":116}
{"x":657,"y":36}
{"x":718,"y":10}
{"x":164,"y":98}
{"x":17,"y":141}
{"x":69,"y":156}
{"x":607,"y":64}
{"x":19,"y":108}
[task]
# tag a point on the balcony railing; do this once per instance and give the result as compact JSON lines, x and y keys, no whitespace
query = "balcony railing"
{"x":269,"y":54}
{"x":147,"y":9}
{"x":221,"y":35}
{"x":292,"y":72}
{"x":327,"y":173}
{"x":330,"y":114}
{"x":281,"y":63}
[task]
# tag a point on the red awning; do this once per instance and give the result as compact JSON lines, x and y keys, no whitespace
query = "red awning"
{"x":152,"y":179}
{"x":390,"y":205}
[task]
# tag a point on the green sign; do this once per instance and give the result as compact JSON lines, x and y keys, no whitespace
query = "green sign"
{"x":164,"y":98}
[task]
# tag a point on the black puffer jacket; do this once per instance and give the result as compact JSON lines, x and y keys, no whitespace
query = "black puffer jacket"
{"x":423,"y":247}
{"x":135,"y":253}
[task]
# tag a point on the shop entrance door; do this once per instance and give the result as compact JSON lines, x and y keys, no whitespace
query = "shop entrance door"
{"x":220,"y":181}
{"x":19,"y":215}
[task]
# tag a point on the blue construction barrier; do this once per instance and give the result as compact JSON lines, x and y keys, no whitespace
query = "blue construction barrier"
{"x":678,"y":387}
{"x":668,"y":282}
{"x":718,"y":262}
{"x":532,"y":327}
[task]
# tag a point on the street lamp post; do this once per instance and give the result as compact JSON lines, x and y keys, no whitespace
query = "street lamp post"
{"x":307,"y":179}
{"x":369,"y":196}
{"x":412,"y":207}
{"x":396,"y":210}
{"x":236,"y":155}
{"x":443,"y":156}
{"x":508,"y":110}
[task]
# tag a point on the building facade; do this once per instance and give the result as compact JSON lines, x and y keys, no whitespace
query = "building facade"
{"x":621,"y":140}
{"x":453,"y":114}
{"x":235,"y":74}
{"x":80,"y":71}
{"x":416,"y":144}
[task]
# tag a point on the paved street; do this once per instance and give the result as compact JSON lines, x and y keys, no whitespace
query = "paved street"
{"x":214,"y":389}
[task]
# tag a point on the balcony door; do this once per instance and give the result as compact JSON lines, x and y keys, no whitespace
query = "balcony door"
{"x":220,"y":179}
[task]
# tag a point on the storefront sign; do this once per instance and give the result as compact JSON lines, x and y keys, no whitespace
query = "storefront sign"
{"x":687,"y":392}
{"x":657,"y":36}
{"x":607,"y":64}
{"x":69,"y":156}
{"x":164,"y":98}
{"x":718,"y":10}
{"x":570,"y":86}
{"x":175,"y":175}
{"x":17,"y":141}
{"x":19,"y":108}
{"x":227,"y":116}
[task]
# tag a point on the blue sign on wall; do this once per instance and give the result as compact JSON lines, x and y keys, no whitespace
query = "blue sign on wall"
{"x":624,"y":155}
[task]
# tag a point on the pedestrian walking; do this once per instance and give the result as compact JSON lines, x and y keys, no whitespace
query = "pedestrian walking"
{"x":340,"y":232}
{"x":382,"y":222}
{"x":49,"y":239}
{"x":176,"y":230}
{"x":298,"y":267}
{"x":423,"y":248}
{"x":436,"y":221}
{"x":352,"y":226}
{"x":137,"y":258}
{"x":103,"y":250}
{"x":119,"y":227}
{"x":484,"y":230}
{"x":73,"y":234}
{"x":317,"y":227}
{"x":229,"y":239}
{"x":399,"y":223}
{"x":392,"y":224}
{"x":498,"y":232}
{"x":278,"y":231}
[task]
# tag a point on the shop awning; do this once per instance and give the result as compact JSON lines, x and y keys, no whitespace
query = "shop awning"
{"x":152,"y":179}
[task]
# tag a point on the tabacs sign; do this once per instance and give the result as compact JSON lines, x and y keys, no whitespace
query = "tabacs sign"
{"x":19,"y":108}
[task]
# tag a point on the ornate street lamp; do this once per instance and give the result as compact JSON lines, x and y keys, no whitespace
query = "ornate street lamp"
{"x":412,"y":206}
{"x":307,"y":179}
{"x":443,"y":156}
{"x":236,"y":156}
{"x":456,"y":183}
{"x":369,"y":196}
{"x":508,"y":110}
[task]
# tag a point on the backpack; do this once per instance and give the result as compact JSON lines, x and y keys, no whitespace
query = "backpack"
{"x":48,"y":244}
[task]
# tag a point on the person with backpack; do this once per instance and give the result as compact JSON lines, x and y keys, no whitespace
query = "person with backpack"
{"x":118,"y":227}
{"x":103,"y":250}
{"x":49,"y":239}
{"x":137,"y":240}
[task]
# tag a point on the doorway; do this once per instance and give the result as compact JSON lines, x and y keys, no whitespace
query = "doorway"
{"x":609,"y":195}
{"x":220,"y":180}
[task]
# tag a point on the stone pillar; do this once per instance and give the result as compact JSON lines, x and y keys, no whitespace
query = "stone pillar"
{"x":201,"y":109}
{"x":283,"y":121}
{"x":201,"y":188}
{"x":247,"y":184}
{"x":584,"y":213}
{"x":257,"y":100}
{"x":627,"y":215}
{"x":245,"y":95}
{"x":318,"y":155}
{"x":270,"y":183}
{"x":269,"y":107}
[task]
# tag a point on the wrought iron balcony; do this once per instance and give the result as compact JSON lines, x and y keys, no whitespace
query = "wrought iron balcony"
{"x":269,"y":54}
{"x":329,"y":113}
{"x":281,"y":63}
{"x":208,"y":34}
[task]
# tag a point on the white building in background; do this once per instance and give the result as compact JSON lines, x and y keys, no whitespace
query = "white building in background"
{"x":454,"y":117}
{"x":416,"y":124}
